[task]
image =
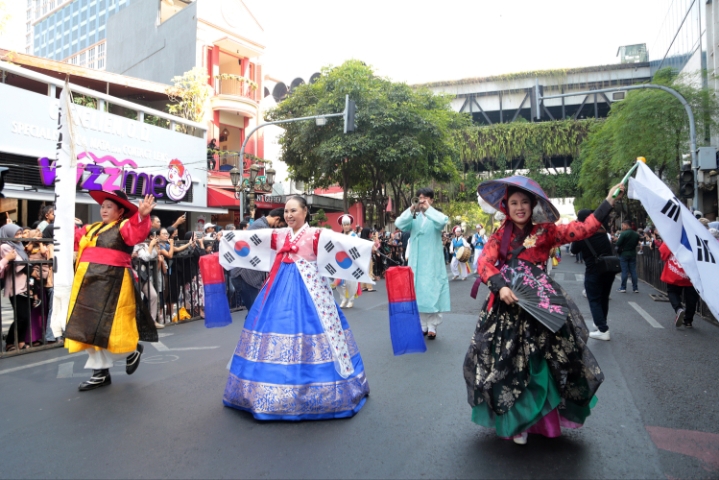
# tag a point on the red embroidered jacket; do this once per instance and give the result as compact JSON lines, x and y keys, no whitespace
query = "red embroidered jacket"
{"x":542,"y":239}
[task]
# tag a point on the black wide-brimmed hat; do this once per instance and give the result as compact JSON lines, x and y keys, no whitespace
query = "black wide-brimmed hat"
{"x":117,"y":196}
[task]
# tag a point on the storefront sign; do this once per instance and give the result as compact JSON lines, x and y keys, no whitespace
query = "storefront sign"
{"x":123,"y":176}
{"x":113,"y":152}
{"x":271,"y":198}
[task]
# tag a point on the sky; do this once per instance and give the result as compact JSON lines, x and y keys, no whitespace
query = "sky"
{"x":423,"y":41}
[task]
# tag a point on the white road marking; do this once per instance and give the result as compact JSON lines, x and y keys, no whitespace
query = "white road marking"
{"x":161,"y":347}
{"x":160,"y":335}
{"x":579,"y":277}
{"x":646,"y":316}
{"x":183,"y":349}
{"x":64,"y":370}
{"x":559,"y":277}
{"x":37,"y":364}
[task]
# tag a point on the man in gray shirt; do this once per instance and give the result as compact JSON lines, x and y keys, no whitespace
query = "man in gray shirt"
{"x":249,"y":282}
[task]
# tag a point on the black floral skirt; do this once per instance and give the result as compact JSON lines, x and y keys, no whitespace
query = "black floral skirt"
{"x":517,"y":371}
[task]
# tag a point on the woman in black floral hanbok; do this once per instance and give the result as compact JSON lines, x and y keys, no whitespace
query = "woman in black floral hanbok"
{"x":522,"y":378}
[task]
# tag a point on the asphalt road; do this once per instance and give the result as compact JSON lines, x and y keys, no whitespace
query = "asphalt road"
{"x":657,"y":415}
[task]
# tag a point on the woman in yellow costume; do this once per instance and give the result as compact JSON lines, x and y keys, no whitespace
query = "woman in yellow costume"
{"x":107,"y":316}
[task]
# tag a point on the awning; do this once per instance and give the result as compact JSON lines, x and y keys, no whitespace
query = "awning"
{"x":219,"y":197}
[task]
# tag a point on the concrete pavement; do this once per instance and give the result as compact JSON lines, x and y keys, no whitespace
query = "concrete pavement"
{"x":656,"y":417}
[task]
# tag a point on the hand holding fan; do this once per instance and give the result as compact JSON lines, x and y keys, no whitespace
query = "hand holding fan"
{"x":536,"y":294}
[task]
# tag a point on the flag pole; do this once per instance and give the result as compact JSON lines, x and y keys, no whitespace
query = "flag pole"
{"x":629,"y":174}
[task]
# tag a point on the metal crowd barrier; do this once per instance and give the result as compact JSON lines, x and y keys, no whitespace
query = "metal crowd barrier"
{"x":649,"y":269}
{"x":173,"y":297}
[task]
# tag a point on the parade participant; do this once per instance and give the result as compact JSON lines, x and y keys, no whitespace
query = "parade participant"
{"x":459,"y":269}
{"x":107,"y":316}
{"x":597,"y":285}
{"x":678,"y":283}
{"x":478,"y":241}
{"x":296,"y":358}
{"x":348,"y":290}
{"x":426,"y":258}
{"x":627,"y":249}
{"x":522,"y":378}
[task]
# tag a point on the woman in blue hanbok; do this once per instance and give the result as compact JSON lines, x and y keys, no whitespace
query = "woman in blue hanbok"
{"x":296,"y":358}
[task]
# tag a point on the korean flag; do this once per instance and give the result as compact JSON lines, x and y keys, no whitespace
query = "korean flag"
{"x":250,"y":249}
{"x":344,"y":257}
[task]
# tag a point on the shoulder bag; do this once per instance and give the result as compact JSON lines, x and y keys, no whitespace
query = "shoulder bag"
{"x":605,"y":263}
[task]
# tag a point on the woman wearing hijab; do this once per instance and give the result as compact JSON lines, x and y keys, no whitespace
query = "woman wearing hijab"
{"x":15,"y":286}
{"x":107,"y":316}
{"x":522,"y":378}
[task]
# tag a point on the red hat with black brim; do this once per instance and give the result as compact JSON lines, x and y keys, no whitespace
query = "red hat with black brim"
{"x":117,"y":196}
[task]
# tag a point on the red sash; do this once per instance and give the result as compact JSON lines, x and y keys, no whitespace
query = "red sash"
{"x":106,"y":256}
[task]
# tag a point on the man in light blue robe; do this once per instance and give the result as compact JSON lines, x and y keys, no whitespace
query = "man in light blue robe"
{"x":426,"y":258}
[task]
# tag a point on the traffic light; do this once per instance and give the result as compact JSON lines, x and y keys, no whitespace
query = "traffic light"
{"x":686,"y":182}
{"x":350,"y":109}
{"x":535,"y":101}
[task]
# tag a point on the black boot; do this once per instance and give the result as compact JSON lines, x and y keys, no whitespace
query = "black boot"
{"x":133,"y":360}
{"x":99,"y":378}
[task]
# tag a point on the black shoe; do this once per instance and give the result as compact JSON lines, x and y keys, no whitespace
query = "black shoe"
{"x":133,"y":360}
{"x":100,"y":378}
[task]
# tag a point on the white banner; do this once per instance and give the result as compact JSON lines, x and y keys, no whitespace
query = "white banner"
{"x":345,"y":257}
{"x":64,"y":214}
{"x":250,"y":249}
{"x":690,"y":242}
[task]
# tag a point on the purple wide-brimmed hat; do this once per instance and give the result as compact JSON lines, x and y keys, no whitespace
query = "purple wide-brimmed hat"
{"x":495,"y":191}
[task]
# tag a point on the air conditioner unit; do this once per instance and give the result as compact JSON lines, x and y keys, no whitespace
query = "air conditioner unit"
{"x":621,"y":95}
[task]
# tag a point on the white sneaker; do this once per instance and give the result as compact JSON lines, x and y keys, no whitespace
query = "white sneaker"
{"x":597,"y":335}
{"x":679,"y":319}
{"x":344,"y":303}
{"x":350,"y":304}
{"x":584,"y":292}
{"x":159,"y":325}
{"x":520,"y":439}
{"x":455,"y":277}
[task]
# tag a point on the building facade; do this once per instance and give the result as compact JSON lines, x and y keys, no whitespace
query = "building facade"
{"x":73,"y":31}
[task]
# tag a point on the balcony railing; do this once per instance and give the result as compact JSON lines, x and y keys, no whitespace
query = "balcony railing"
{"x":236,"y":86}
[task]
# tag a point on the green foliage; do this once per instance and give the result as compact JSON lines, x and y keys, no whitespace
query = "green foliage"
{"x":517,"y":140}
{"x":319,"y":219}
{"x":190,"y":95}
{"x":468,"y":212}
{"x":648,"y":123}
{"x":496,"y":148}
{"x":403,"y":137}
{"x":84,"y":101}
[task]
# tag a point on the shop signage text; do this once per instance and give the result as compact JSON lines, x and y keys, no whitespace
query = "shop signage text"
{"x":122,"y":175}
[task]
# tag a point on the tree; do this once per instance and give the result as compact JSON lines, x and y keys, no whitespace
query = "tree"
{"x":319,"y":219}
{"x":403,"y":136}
{"x":648,"y":123}
{"x":189,"y":95}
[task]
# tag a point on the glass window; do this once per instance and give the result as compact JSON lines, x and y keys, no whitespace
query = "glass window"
{"x":91,"y":58}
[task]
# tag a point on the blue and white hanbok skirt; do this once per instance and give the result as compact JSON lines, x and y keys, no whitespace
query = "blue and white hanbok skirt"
{"x":283,"y":367}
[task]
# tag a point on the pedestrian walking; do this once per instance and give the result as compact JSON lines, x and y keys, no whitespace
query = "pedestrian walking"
{"x":627,"y":249}
{"x":296,"y":358}
{"x":426,"y":258}
{"x":459,"y":266}
{"x":522,"y":378}
{"x":597,"y":284}
{"x":348,"y":290}
{"x":678,"y":285}
{"x":478,"y":240}
{"x":107,"y":317}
